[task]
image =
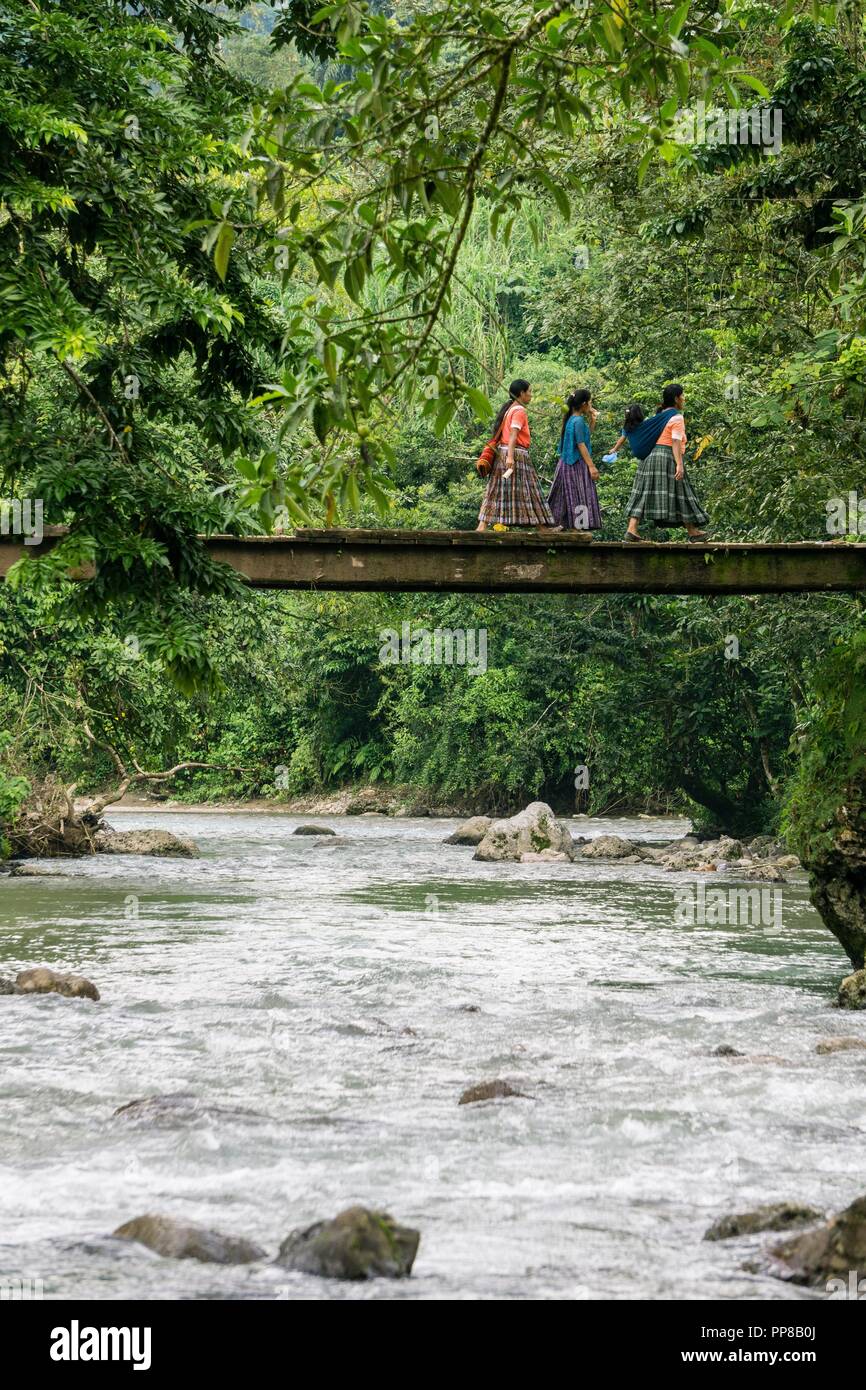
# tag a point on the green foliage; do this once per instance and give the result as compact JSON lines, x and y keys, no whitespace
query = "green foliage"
{"x":828,"y":791}
{"x":13,"y":791}
{"x":126,"y":358}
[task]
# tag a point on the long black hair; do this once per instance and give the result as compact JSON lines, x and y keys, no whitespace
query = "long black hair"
{"x":669,"y":395}
{"x":514,"y":391}
{"x":574,"y":402}
{"x":633,"y":416}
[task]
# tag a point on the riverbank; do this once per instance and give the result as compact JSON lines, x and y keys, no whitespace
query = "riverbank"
{"x":401,"y":802}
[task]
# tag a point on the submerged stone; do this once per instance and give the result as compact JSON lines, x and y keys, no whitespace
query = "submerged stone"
{"x":27,"y":870}
{"x":176,"y":1108}
{"x":185,"y":1240}
{"x":41,"y":980}
{"x":313,"y":830}
{"x":830,"y":1045}
{"x":777,"y":1216}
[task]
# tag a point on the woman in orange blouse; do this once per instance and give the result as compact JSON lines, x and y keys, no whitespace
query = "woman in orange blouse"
{"x":512,"y":496}
{"x":662,"y":491}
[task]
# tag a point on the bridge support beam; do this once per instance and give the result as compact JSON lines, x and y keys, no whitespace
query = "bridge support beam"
{"x":515,"y":562}
{"x":511,"y":562}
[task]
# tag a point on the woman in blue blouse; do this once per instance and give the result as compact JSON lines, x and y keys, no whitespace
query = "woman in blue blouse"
{"x":573,"y":497}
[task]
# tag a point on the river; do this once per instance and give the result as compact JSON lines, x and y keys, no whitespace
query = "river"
{"x":347,"y":992}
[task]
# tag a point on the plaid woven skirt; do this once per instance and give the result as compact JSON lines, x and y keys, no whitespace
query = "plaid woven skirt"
{"x":514,"y":501}
{"x":573,"y":499}
{"x":657,"y":496}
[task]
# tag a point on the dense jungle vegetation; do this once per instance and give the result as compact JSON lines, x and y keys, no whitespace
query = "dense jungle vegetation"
{"x":274,"y":266}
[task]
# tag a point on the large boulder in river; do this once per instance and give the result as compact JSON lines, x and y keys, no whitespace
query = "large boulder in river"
{"x":356,"y":1244}
{"x":852,"y":991}
{"x":833,"y":1250}
{"x":778,"y":1216}
{"x":489,"y":1090}
{"x":184,"y":1240}
{"x":162,"y":842}
{"x":607,"y":847}
{"x":529,"y":832}
{"x":41,"y":980}
{"x":471,"y":832}
{"x":313,"y":830}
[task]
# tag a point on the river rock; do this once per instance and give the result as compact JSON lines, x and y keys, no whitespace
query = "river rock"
{"x":489,"y":1090}
{"x":529,"y":832}
{"x":41,"y":980}
{"x":7,"y":986}
{"x":356,"y":1244}
{"x":830,"y":1045}
{"x":471,"y":832}
{"x":161,"y":842}
{"x":683,"y":860}
{"x":28,"y":870}
{"x":760,"y":873}
{"x":184,"y":1240}
{"x":313,"y":830}
{"x":760,"y":1058}
{"x":177,"y":1108}
{"x":653,"y":854}
{"x":779,"y":1216}
{"x":709,"y":856}
{"x":725,"y":1050}
{"x":852,"y":991}
{"x":763,"y":846}
{"x":607,"y":847}
{"x":724,"y":848}
{"x":834,"y":1249}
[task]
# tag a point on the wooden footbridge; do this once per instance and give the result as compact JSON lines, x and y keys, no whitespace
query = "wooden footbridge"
{"x":518,"y":562}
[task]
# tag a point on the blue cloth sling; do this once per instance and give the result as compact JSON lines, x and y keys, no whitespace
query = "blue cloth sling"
{"x":644,"y":437}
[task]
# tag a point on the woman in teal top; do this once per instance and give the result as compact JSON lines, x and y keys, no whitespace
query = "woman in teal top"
{"x":573,"y":497}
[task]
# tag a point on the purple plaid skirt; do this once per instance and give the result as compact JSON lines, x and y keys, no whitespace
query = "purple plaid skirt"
{"x":573,"y":499}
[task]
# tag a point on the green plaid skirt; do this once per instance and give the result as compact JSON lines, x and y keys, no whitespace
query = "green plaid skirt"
{"x":657,"y":496}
